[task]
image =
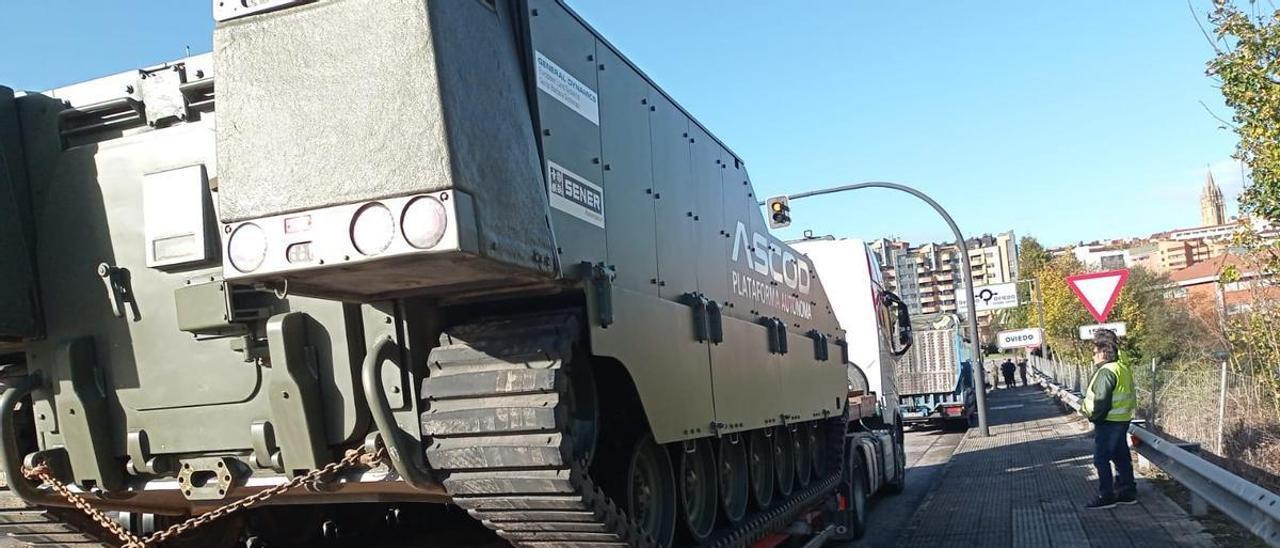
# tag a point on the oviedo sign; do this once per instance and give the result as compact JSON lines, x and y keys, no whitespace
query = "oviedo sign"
{"x":1020,"y":338}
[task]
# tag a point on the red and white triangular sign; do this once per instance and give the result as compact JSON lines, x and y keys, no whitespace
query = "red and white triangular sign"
{"x":1098,"y":290}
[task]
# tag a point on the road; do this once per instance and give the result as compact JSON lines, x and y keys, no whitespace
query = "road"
{"x":928,"y":450}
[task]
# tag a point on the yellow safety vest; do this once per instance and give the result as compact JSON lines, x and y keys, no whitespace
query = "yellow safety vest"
{"x":1123,"y":399}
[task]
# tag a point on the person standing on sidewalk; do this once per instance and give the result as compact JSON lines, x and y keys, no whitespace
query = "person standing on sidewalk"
{"x":1007,"y":369}
{"x":1109,"y":403}
{"x":1022,"y":370}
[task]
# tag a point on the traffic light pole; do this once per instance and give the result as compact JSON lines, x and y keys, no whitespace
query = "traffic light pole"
{"x":979,"y":377}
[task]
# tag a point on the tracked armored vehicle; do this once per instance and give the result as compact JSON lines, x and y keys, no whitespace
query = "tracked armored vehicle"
{"x":466,"y":237}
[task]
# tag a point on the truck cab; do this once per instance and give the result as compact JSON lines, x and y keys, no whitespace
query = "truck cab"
{"x":876,"y":321}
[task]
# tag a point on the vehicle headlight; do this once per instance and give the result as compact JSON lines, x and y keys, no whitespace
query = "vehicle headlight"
{"x":423,"y":222}
{"x":247,"y":247}
{"x":372,"y":229}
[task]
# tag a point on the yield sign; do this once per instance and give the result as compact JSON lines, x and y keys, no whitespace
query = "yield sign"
{"x":1098,"y":290}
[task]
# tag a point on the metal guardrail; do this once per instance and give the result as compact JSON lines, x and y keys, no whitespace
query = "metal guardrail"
{"x":1249,"y":505}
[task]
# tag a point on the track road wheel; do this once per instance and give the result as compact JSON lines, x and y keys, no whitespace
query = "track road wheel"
{"x":735,"y":485}
{"x":760,"y":468}
{"x":803,"y":458}
{"x":696,"y":481}
{"x":784,"y":461}
{"x":818,"y":449}
{"x":851,"y":523}
{"x":651,"y":491}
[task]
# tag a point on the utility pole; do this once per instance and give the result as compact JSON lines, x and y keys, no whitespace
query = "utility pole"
{"x":978,"y":373}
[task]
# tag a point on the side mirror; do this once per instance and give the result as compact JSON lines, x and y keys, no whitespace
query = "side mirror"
{"x":902,"y":320}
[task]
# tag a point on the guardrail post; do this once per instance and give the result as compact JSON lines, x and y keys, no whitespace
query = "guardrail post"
{"x":1199,"y":508}
{"x":1222,"y":410}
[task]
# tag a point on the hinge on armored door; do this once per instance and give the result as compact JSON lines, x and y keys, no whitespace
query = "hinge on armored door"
{"x":777,"y":332}
{"x":715,"y":323}
{"x":601,"y":278}
{"x":820,"y":350}
{"x":701,"y":326}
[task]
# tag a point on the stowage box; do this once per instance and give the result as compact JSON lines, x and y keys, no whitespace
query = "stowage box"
{"x":341,"y":102}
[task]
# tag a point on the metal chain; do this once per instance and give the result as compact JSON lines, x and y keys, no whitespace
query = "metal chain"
{"x":41,"y":472}
{"x":352,"y":457}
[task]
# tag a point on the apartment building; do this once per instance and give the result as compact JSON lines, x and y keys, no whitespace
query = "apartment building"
{"x":928,"y":276}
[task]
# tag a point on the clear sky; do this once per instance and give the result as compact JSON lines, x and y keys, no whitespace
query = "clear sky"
{"x":1065,"y":120}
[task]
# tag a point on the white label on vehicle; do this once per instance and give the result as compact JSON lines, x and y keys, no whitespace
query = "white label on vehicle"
{"x":567,"y":89}
{"x":575,"y":195}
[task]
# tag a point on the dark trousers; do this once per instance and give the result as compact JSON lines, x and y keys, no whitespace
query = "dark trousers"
{"x":1110,"y":447}
{"x":1024,"y":376}
{"x":1008,"y":380}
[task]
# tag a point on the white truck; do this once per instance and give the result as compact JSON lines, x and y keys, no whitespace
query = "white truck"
{"x":879,"y":331}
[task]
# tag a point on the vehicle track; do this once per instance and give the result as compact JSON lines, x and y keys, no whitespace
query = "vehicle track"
{"x":497,"y":427}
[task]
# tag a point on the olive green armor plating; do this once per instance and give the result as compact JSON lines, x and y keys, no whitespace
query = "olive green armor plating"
{"x":329,"y":249}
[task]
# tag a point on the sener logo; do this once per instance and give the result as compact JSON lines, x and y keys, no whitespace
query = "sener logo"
{"x":575,"y":195}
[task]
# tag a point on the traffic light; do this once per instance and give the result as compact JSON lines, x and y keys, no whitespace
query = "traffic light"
{"x":779,"y":212}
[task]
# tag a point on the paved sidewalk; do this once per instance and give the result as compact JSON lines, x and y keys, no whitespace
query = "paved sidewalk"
{"x":1027,"y":485}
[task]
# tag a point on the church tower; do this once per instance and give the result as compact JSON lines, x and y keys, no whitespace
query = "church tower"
{"x":1213,"y":211}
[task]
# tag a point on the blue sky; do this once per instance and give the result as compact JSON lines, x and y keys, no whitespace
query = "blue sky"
{"x":1065,"y":120}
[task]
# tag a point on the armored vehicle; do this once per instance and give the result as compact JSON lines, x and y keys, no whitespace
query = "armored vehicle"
{"x":380,"y":252}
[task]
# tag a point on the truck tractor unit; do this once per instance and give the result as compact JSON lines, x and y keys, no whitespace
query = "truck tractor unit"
{"x":372,"y":253}
{"x":935,"y":379}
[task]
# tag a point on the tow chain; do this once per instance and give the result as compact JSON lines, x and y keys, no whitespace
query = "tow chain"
{"x":41,"y":471}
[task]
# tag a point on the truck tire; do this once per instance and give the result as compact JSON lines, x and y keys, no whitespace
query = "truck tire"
{"x":899,"y":482}
{"x":851,"y":523}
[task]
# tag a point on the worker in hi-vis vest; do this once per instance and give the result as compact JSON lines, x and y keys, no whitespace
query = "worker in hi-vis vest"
{"x":1109,"y":403}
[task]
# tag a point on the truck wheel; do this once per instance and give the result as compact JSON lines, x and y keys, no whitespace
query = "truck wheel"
{"x":851,"y":523}
{"x":899,"y":482}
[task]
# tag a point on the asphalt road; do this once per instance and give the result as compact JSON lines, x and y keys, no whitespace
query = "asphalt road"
{"x":928,"y":450}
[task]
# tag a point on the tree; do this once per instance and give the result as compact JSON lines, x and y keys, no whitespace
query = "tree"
{"x":1247,"y":66}
{"x":1031,"y":260}
{"x":1157,"y":328}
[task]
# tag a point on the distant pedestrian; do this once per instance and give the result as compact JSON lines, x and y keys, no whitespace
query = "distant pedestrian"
{"x":1007,"y":368}
{"x":1109,"y":403}
{"x":1022,"y":370}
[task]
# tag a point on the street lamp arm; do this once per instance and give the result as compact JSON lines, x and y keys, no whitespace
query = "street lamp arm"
{"x":980,"y":376}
